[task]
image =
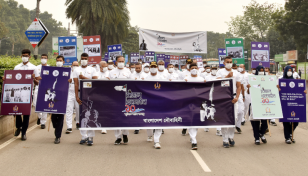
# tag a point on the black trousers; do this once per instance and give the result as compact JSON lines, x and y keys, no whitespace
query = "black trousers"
{"x":22,"y":123}
{"x":57,"y":123}
{"x":287,"y":128}
{"x":256,"y":128}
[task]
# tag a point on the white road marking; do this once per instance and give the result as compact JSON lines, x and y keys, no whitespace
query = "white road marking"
{"x":14,"y":138}
{"x":200,"y":161}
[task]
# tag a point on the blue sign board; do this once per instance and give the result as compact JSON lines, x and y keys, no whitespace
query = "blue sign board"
{"x":221,"y":56}
{"x":114,"y":51}
{"x":36,"y":33}
{"x":68,"y":49}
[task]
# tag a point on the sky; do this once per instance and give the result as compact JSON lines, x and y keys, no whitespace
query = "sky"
{"x":166,"y":15}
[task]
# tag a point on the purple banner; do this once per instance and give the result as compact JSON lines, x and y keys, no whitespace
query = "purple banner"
{"x":167,"y":60}
{"x":293,"y":100}
{"x":17,"y":92}
{"x":53,"y":90}
{"x":161,"y":57}
{"x":149,"y":56}
{"x":221,"y":56}
{"x":106,"y":56}
{"x":260,"y":54}
{"x":134,"y":57}
{"x":130,"y":104}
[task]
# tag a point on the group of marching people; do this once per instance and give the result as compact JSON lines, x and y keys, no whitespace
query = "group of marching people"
{"x":152,"y":71}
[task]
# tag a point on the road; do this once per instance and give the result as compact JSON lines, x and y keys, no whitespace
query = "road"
{"x":40,"y":156}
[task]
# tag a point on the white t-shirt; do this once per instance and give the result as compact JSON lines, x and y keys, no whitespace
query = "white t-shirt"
{"x":163,"y":74}
{"x":222,"y":73}
{"x":138,"y":76}
{"x":88,"y":72}
{"x":28,"y":66}
{"x":296,"y":75}
{"x":156,"y":77}
{"x":189,"y":78}
{"x":205,"y":74}
{"x":210,"y":77}
{"x":103,"y":75}
{"x":184,"y":74}
{"x":172,"y":76}
{"x":119,"y":73}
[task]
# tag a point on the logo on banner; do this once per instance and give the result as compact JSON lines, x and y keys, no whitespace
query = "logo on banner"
{"x":55,"y":73}
{"x":239,"y":42}
{"x":260,"y":63}
{"x":91,"y":39}
{"x":97,"y":39}
{"x":51,"y":105}
{"x":300,"y":84}
{"x":157,"y":86}
{"x":219,"y":51}
{"x":224,"y":51}
{"x":15,"y":108}
{"x":18,"y":76}
{"x":253,"y":45}
{"x":235,"y":61}
{"x":292,"y":84}
{"x":161,"y":41}
{"x":67,"y":40}
{"x":293,"y":114}
{"x":9,"y":76}
{"x":132,"y":99}
{"x":233,"y":42}
{"x":208,"y":111}
{"x":265,"y":46}
{"x":268,"y":110}
{"x":68,"y":60}
{"x":259,"y":45}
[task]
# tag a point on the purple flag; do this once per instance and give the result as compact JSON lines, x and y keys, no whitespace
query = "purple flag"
{"x":260,"y":54}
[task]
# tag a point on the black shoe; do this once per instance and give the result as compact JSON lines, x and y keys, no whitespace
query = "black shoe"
{"x":125,"y":139}
{"x":263,"y":139}
{"x":184,"y":132}
{"x":162,"y":132}
{"x":257,"y":142}
{"x":231,"y":142}
{"x":90,"y":141}
{"x":38,"y":122}
{"x":274,"y":123}
{"x":17,"y":132}
{"x":194,"y":147}
{"x":238,"y":130}
{"x":23,"y":137}
{"x":225,"y":144}
{"x":243,"y":123}
{"x":118,"y":141}
{"x":136,"y":131}
{"x":77,"y":126}
{"x":83,"y":141}
{"x":43,"y":126}
{"x":57,"y":141}
{"x":68,"y":131}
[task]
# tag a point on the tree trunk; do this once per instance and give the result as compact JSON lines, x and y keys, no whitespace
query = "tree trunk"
{"x":13,"y":45}
{"x":0,"y":45}
{"x":37,"y":16}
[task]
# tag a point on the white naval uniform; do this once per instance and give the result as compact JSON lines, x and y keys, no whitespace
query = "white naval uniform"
{"x":184,"y":74}
{"x":241,"y":105}
{"x":120,"y":74}
{"x":229,"y":132}
{"x":173,"y":76}
{"x":193,"y":131}
{"x":41,"y":115}
{"x":158,"y":132}
{"x":138,"y":76}
{"x":71,"y":104}
{"x":205,"y":74}
{"x":163,"y":74}
{"x":88,"y":72}
{"x":247,"y":96}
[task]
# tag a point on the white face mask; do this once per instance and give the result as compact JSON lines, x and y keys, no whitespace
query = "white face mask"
{"x":127,"y":65}
{"x":254,"y":71}
{"x":25,"y":59}
{"x":120,"y":65}
{"x":105,"y":69}
{"x":43,"y":61}
{"x":183,"y":70}
{"x":188,"y":66}
{"x":289,"y":73}
{"x":261,"y":73}
{"x":110,"y":67}
{"x":229,"y":65}
{"x":146,"y":70}
{"x":84,"y":62}
{"x":208,"y":70}
{"x":59,"y":64}
{"x":132,"y":70}
{"x":240,"y":69}
{"x":153,"y":70}
{"x":194,"y":71}
{"x":266,"y":73}
{"x":171,"y":70}
{"x":161,"y":67}
{"x":214,"y":72}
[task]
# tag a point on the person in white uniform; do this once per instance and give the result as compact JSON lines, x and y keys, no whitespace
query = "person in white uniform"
{"x":71,"y":101}
{"x":132,"y":67}
{"x":110,"y":65}
{"x":23,"y":123}
{"x":42,"y":116}
{"x":146,"y":69}
{"x":241,"y":100}
{"x":155,"y":77}
{"x":227,"y":72}
{"x":176,"y":69}
{"x":193,"y":77}
{"x":172,"y":75}
{"x":212,"y":77}
{"x":246,"y":97}
{"x":84,"y":72}
{"x":268,"y":72}
{"x":120,"y":73}
{"x":161,"y":69}
{"x":207,"y":71}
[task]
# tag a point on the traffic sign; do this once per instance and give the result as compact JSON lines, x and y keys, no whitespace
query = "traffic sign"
{"x":36,"y":33}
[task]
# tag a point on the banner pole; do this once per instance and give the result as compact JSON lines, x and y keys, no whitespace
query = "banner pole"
{"x":269,"y":130}
{"x":292,"y":131}
{"x":49,"y":122}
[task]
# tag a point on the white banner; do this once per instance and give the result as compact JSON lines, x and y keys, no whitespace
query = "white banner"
{"x":189,"y":42}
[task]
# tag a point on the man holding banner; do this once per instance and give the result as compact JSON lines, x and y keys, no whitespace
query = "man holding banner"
{"x":84,"y":72}
{"x":228,"y":133}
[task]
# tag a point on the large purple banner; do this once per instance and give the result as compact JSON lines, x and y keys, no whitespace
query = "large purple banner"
{"x":53,"y":90}
{"x":260,"y":54}
{"x":293,"y":100}
{"x":126,"y":104}
{"x":16,"y":92}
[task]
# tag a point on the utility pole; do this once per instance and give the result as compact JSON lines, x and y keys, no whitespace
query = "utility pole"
{"x":37,"y":16}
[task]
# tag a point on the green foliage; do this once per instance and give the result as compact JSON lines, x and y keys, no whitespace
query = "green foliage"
{"x":293,"y":21}
{"x":215,"y":41}
{"x":131,"y":42}
{"x":107,"y":18}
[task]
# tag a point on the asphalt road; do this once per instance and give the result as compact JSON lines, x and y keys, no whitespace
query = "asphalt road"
{"x":40,"y":156}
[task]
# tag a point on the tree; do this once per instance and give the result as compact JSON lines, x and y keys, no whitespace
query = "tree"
{"x":293,"y":22}
{"x":3,"y":30}
{"x":215,"y":41}
{"x":131,"y":42}
{"x":107,"y":18}
{"x":255,"y":22}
